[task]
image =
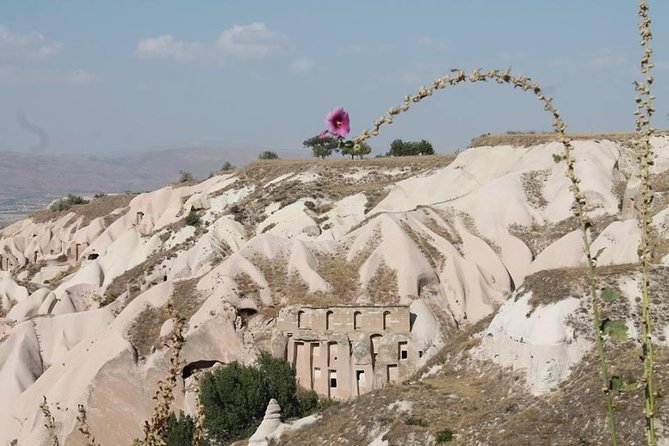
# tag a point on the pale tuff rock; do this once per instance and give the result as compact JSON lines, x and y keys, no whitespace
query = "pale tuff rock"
{"x":445,"y":234}
{"x":270,"y":423}
{"x":539,"y":341}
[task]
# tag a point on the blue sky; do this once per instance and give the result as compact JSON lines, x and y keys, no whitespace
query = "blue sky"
{"x":127,"y":75}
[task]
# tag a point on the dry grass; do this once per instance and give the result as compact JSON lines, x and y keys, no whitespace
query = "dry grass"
{"x":133,"y":279}
{"x":660,"y":182}
{"x":285,"y":286}
{"x":539,"y":237}
{"x":659,"y":245}
{"x":95,"y":208}
{"x":618,"y":191}
{"x":659,"y":279}
{"x":144,"y":333}
{"x":265,"y":170}
{"x":341,"y":275}
{"x":528,"y":139}
{"x":553,"y":285}
{"x":451,"y":235}
{"x":533,"y":184}
{"x":333,"y":182}
{"x":469,"y":222}
{"x":434,"y":257}
{"x":246,"y":287}
{"x":62,"y":275}
{"x":382,"y":287}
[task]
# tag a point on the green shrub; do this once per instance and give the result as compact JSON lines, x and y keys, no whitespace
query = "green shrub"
{"x":358,"y":149}
{"x":185,"y":176}
{"x":325,"y":403}
{"x":59,"y":205}
{"x":410,"y":148}
{"x":179,"y":430}
{"x":235,"y":397}
{"x":268,"y":155}
{"x":193,"y":219}
{"x":311,"y":403}
{"x":75,"y":199}
{"x":66,"y":202}
{"x":105,"y":299}
{"x":308,"y":401}
{"x":280,"y":378}
{"x":444,"y":436}
{"x":322,"y":147}
{"x":413,"y":421}
{"x":227,"y":166}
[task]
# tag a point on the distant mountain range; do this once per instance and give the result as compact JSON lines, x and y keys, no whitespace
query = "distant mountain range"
{"x":40,"y":175}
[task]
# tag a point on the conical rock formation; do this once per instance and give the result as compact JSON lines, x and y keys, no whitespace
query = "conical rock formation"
{"x":269,"y":425}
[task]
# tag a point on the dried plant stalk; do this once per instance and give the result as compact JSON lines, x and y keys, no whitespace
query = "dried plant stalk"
{"x":644,"y":130}
{"x":50,"y":422}
{"x":578,"y":208}
{"x":198,"y":428}
{"x":155,"y":428}
{"x":84,"y":428}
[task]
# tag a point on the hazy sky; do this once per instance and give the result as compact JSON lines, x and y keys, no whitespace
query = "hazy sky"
{"x":108,"y":76}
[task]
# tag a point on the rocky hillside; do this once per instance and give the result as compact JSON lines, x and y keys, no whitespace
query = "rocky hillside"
{"x":482,"y":247}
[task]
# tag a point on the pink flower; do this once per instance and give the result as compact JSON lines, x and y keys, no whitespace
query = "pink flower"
{"x":338,"y":122}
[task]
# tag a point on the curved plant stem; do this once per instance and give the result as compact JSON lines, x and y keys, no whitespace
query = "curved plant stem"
{"x":504,"y":77}
{"x":644,"y":130}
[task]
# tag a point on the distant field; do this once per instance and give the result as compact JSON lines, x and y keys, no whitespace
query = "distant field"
{"x":14,"y":209}
{"x":527,"y":139}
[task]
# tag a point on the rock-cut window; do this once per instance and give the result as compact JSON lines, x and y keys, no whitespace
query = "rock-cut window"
{"x":328,"y":320}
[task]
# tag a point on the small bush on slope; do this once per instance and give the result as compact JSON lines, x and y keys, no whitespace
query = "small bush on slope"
{"x":235,"y":397}
{"x":185,"y":176}
{"x":179,"y":430}
{"x":193,"y":219}
{"x":67,"y":202}
{"x":268,"y":155}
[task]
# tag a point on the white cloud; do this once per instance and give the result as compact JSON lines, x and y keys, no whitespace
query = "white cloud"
{"x":254,"y":41}
{"x":433,"y":44}
{"x":82,"y":77}
{"x":302,"y":65}
{"x":32,"y":45}
{"x":604,"y":59}
{"x":8,"y":72}
{"x":607,"y":58}
{"x":355,"y":50}
{"x":364,"y":49}
{"x":512,"y":56}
